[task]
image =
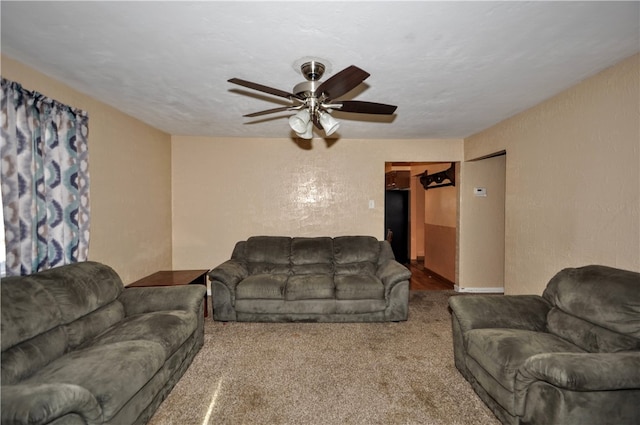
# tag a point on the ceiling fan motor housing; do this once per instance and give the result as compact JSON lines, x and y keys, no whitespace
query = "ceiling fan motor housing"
{"x":306,"y":88}
{"x":312,"y":70}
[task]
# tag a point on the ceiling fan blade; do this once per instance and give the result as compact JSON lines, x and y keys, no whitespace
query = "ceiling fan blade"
{"x":360,"y":107}
{"x":271,"y":111}
{"x":342,"y":82}
{"x":265,"y":89}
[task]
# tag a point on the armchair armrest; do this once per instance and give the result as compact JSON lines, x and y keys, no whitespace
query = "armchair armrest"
{"x":158,"y":298}
{"x":31,"y":404}
{"x":528,"y":312}
{"x":582,"y":371}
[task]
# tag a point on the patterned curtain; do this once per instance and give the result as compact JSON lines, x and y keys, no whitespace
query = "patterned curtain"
{"x":45,"y":181}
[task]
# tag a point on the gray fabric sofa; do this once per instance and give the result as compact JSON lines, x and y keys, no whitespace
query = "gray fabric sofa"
{"x":319,"y":279}
{"x":571,"y":356}
{"x":78,"y":348}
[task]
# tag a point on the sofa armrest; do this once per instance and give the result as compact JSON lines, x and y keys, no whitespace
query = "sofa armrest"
{"x":582,"y":371}
{"x":391,"y":272}
{"x":527,"y":312}
{"x":33,"y":404}
{"x":159,"y":298}
{"x":230,"y":273}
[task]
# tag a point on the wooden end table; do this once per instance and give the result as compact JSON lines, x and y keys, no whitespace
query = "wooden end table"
{"x":176,"y":277}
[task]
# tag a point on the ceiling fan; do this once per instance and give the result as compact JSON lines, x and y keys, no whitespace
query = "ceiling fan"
{"x":315,"y":100}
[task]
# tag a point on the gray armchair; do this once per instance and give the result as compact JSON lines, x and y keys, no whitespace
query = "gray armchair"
{"x":571,"y":356}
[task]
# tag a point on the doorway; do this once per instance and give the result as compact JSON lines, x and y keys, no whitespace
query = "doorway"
{"x":428,"y":218}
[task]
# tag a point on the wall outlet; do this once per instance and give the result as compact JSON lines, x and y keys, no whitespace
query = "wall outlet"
{"x":372,"y":204}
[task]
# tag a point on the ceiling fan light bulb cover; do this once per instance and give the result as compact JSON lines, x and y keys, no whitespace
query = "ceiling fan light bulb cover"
{"x":300,"y":121}
{"x":308,"y":132}
{"x":328,"y":123}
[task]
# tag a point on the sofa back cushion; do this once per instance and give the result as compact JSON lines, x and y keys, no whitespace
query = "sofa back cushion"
{"x":312,"y":255}
{"x":268,"y":254}
{"x":596,"y":307}
{"x":356,"y":254}
{"x":86,"y":328}
{"x":81,"y":288}
{"x":48,"y":313}
{"x":586,"y":335}
{"x":28,"y":310}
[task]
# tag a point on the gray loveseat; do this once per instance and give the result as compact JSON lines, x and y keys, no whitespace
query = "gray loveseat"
{"x":571,"y":356}
{"x":319,"y":279}
{"x":78,"y":348}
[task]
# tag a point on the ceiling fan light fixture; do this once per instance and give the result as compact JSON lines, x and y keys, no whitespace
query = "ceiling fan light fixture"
{"x":328,"y":123}
{"x":300,"y":122}
{"x":308,"y":133}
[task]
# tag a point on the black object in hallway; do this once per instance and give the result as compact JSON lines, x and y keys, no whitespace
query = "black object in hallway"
{"x":396,"y":220}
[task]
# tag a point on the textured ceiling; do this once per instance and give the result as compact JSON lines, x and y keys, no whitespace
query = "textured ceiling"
{"x":453,"y":68}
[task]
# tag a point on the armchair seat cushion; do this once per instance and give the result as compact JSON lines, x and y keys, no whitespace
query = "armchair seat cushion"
{"x":502,"y":352}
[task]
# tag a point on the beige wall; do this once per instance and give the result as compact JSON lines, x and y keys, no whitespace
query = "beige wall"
{"x":572,"y":184}
{"x":225,"y":190}
{"x":481,"y":233}
{"x":440,"y":223}
{"x":416,"y":205}
{"x":572,"y":179}
{"x":130,"y":166}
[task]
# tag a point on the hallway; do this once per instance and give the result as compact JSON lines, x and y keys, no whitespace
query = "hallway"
{"x":423,"y":280}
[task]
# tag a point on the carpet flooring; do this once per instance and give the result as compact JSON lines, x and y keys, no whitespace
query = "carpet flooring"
{"x":328,"y":373}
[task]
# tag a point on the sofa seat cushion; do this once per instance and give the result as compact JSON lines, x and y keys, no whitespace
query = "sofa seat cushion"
{"x":275,"y":307}
{"x":170,"y":329}
{"x":309,"y":287}
{"x":262,"y":286}
{"x":358,"y":287}
{"x":501,"y":353}
{"x":360,"y":306}
{"x":113,"y":373}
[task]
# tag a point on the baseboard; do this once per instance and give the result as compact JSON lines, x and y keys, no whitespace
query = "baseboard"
{"x":485,"y":290}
